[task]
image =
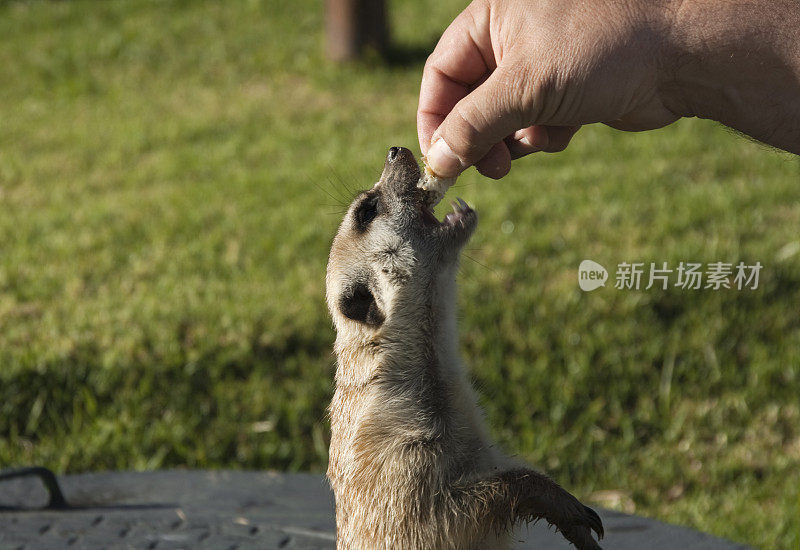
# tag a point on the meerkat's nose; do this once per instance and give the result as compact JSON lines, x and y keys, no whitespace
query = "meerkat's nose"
{"x":399,"y":154}
{"x":400,"y":171}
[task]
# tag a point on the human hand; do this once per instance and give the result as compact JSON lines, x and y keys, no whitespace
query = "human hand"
{"x":512,"y":77}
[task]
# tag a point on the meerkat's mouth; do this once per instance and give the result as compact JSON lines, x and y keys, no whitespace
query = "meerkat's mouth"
{"x":459,"y":217}
{"x":431,"y":189}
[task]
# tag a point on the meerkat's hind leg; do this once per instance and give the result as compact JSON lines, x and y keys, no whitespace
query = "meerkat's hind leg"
{"x":499,"y":500}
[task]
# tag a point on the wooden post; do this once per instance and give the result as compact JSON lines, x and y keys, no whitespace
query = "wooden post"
{"x":351,"y":26}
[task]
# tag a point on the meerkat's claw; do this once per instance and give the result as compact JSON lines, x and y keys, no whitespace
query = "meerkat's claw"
{"x":579,"y":532}
{"x":595,"y":522}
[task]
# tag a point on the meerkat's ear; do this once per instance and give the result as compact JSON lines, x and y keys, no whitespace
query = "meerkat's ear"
{"x":359,"y":304}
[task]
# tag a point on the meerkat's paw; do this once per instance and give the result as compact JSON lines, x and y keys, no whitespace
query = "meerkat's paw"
{"x":505,"y":498}
{"x":541,"y":497}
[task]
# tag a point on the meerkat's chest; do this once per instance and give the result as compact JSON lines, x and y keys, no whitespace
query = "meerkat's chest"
{"x":347,"y":410}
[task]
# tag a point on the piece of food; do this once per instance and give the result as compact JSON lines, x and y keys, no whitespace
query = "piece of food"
{"x":434,"y":185}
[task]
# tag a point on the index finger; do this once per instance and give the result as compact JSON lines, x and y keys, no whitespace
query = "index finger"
{"x":461,"y":60}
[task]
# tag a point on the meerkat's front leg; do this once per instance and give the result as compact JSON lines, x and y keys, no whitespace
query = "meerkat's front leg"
{"x":504,"y":498}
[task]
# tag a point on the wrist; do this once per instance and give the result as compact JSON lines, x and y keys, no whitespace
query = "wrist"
{"x":736,"y":62}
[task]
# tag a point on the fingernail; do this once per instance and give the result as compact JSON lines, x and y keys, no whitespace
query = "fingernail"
{"x":442,"y":160}
{"x":520,"y":135}
{"x":526,"y":141}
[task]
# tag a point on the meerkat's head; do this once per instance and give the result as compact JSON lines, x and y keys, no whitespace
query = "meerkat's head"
{"x":391,"y":254}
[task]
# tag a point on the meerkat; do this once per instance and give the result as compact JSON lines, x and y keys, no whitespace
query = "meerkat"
{"x":412,"y":465}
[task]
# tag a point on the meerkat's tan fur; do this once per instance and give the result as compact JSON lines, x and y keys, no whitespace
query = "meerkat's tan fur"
{"x":411,"y":462}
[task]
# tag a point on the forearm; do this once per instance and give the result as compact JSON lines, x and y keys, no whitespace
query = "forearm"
{"x":737,"y":62}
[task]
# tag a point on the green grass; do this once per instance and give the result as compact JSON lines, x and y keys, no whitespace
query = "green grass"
{"x":164,"y":177}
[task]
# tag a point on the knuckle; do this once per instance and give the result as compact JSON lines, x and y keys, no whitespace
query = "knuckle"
{"x":514,"y":91}
{"x":430,"y":63}
{"x":546,"y":88}
{"x":467,"y":134}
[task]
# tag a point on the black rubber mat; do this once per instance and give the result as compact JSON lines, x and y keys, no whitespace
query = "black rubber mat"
{"x":236,"y":511}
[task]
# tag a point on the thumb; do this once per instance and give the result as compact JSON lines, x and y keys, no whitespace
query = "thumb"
{"x":480,"y":120}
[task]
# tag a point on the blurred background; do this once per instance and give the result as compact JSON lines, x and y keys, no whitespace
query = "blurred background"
{"x":172,"y":174}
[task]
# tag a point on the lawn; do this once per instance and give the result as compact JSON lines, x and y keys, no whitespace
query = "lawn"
{"x":171,"y":176}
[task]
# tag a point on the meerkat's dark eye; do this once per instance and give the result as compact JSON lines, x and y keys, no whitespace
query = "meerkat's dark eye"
{"x":366,"y":212}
